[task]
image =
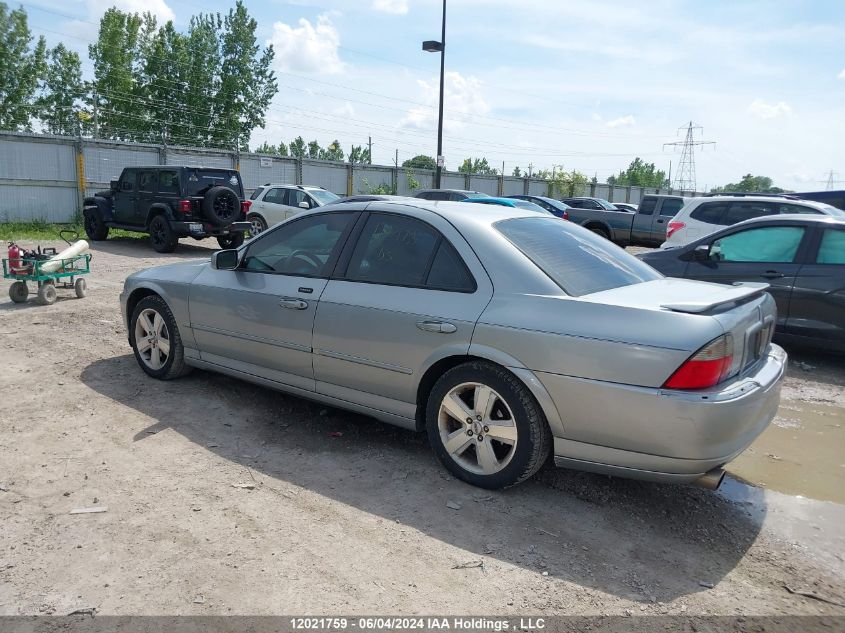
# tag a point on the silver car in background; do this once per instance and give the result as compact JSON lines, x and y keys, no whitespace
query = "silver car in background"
{"x":507,"y":336}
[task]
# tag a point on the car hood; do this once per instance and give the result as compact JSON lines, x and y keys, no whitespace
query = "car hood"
{"x":183,"y":272}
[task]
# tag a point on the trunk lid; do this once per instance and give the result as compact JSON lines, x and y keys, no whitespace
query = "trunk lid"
{"x":746,"y":312}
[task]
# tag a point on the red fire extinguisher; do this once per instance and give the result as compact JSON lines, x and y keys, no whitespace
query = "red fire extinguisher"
{"x":15,"y":254}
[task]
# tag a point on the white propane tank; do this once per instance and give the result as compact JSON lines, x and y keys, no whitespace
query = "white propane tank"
{"x":55,"y":262}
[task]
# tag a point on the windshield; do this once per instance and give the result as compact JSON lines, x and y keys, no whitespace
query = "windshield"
{"x":577,"y":260}
{"x":323,"y":196}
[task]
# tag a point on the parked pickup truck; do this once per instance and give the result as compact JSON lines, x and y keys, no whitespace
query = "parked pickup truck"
{"x":169,"y":202}
{"x":646,"y":227}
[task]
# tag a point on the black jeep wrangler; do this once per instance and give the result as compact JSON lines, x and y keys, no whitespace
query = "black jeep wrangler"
{"x":170,"y":202}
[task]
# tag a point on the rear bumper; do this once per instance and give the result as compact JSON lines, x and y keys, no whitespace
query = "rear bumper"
{"x":661,"y":434}
{"x":189,"y":229}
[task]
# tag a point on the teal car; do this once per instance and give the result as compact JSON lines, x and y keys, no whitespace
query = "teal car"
{"x":509,"y":202}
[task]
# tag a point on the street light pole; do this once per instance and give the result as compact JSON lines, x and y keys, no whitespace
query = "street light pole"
{"x":433,"y":47}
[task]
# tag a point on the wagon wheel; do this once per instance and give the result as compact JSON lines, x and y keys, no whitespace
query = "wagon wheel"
{"x":19,"y":291}
{"x":47,"y":294}
{"x":80,"y":287}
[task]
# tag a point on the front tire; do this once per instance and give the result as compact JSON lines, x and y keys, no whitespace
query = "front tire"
{"x":485,"y":426}
{"x":47,"y":294}
{"x":80,"y":287}
{"x":155,"y":339}
{"x":257,"y":225}
{"x":95,"y":228}
{"x":19,"y":292}
{"x":162,"y":238}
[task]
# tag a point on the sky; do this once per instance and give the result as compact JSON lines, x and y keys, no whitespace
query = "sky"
{"x":582,"y":85}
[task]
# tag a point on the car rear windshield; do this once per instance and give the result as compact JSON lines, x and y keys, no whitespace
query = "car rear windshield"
{"x":577,"y":260}
{"x":200,"y":180}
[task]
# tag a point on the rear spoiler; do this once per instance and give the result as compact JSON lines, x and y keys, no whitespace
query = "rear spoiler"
{"x":740,"y":291}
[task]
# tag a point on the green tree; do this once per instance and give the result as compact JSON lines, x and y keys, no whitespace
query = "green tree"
{"x":21,"y":68}
{"x":420,"y":162}
{"x":477,"y":166}
{"x":568,"y":183}
{"x":517,"y":172}
{"x":297,"y":147}
{"x":360,"y":155}
{"x":247,"y":83}
{"x":314,"y":150}
{"x":63,"y":91}
{"x":759,"y":184}
{"x":640,"y":174}
{"x":332,"y":152}
{"x":201,"y":78}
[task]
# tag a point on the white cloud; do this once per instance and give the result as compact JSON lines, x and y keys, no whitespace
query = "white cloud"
{"x":347,"y":110}
{"x":396,"y":7}
{"x":763,"y":110}
{"x":841,"y":75}
{"x":623,"y":121}
{"x":159,"y":8}
{"x":307,"y":48}
{"x":462,"y":98}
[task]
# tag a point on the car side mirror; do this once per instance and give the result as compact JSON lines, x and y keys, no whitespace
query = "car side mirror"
{"x":225,"y":260}
{"x":304,"y":205}
{"x":113,"y":184}
{"x":701,"y":253}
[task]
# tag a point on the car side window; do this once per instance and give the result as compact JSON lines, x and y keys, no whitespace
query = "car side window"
{"x":832,"y":247}
{"x":710,"y":212}
{"x":647,"y":206}
{"x":770,"y":244}
{"x":670,"y":207}
{"x":393,"y":250}
{"x":127,"y":183}
{"x":304,"y":247}
{"x":276,"y":195}
{"x":746,"y":210}
{"x":295,"y":196}
{"x":168,"y":182}
{"x":146,"y":181}
{"x":256,"y":193}
{"x":795,"y":208}
{"x":448,"y":271}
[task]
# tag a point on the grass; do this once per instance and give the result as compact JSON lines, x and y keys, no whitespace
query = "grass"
{"x":41,"y":231}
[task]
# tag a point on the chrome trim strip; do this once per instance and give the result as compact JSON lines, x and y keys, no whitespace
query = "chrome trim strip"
{"x":364,"y":361}
{"x":254,"y":339}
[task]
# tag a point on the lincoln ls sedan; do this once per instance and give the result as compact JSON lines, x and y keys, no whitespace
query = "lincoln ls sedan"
{"x":509,"y":337}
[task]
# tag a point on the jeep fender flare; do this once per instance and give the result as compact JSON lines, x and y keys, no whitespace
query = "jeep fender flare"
{"x":101,"y":205}
{"x":157,"y":209}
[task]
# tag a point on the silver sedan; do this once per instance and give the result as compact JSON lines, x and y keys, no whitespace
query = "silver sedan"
{"x":508,"y":337}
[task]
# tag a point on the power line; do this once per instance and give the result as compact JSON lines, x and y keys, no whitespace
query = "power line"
{"x":685,"y":176}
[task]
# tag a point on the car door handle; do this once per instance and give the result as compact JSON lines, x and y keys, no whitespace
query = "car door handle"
{"x":436,"y":326}
{"x":772,"y":274}
{"x":293,"y":303}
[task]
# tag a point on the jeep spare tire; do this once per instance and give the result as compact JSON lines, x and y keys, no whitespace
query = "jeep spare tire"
{"x":221,"y":206}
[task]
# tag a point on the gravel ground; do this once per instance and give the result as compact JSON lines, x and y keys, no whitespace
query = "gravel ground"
{"x":223,"y":497}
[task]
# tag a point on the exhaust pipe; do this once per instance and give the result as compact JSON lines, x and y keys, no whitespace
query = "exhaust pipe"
{"x":710,"y":480}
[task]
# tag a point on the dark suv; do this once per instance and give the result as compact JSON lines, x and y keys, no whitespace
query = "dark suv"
{"x":170,"y":202}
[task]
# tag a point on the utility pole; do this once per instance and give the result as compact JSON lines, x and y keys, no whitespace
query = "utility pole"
{"x":396,"y":160}
{"x":685,"y":178}
{"x":370,"y":149}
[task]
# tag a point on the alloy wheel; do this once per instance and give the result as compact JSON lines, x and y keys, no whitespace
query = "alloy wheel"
{"x":477,"y":428}
{"x":152,"y":339}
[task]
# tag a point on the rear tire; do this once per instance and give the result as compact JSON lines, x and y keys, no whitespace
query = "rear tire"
{"x":155,"y":339}
{"x":95,"y":228}
{"x":257,"y":225}
{"x":162,"y":238}
{"x":599,"y":231}
{"x":515,"y":437}
{"x":19,"y":292}
{"x":47,"y":294}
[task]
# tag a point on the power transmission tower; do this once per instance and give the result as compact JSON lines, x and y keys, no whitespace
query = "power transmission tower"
{"x":685,"y":175}
{"x":831,"y":181}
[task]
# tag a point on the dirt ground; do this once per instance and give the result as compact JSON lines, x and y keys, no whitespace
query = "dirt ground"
{"x":226,"y":498}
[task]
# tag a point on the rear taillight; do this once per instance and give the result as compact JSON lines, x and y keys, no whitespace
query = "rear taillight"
{"x":709,"y":366}
{"x":184,"y":206}
{"x":566,"y":215}
{"x":674,"y":227}
{"x":245,"y":205}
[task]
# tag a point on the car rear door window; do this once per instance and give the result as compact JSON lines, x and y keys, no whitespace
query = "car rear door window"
{"x":448,"y":271}
{"x":578,"y":261}
{"x":146,"y":181}
{"x":710,"y":212}
{"x":393,"y":250}
{"x":295,"y":196}
{"x":302,"y":247}
{"x":671,"y":206}
{"x":647,"y":206}
{"x":781,"y":208}
{"x":168,"y":182}
{"x":770,"y":244}
{"x":746,"y":210}
{"x":276,"y":195}
{"x":832,"y":247}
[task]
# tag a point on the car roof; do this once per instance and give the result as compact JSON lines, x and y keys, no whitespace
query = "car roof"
{"x":168,"y":167}
{"x":451,"y":191}
{"x":793,"y":218}
{"x":757,"y":198}
{"x":290,"y":186}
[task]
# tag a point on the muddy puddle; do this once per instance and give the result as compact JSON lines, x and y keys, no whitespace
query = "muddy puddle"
{"x":801,"y":453}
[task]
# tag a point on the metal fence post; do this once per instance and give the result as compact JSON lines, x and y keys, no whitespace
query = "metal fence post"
{"x":349,"y":179}
{"x":297,"y":177}
{"x":80,"y":175}
{"x":394,"y":179}
{"x":526,"y":185}
{"x":501,"y":184}
{"x":628,"y":193}
{"x":162,"y":154}
{"x":467,"y":182}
